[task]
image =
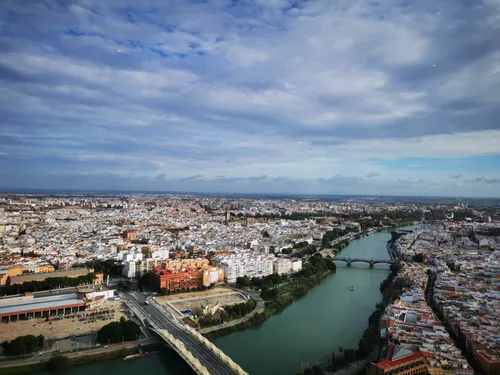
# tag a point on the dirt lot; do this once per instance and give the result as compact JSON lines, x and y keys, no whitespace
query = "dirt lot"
{"x":185,"y":301}
{"x":56,"y":329}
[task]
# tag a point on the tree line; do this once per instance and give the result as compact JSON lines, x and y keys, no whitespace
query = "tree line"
{"x":281,"y":290}
{"x":259,"y":282}
{"x":391,"y":289}
{"x":331,"y":235}
{"x":106,"y":267}
{"x":298,"y":284}
{"x":124,"y":330}
{"x":47,"y":284}
{"x":23,"y":345}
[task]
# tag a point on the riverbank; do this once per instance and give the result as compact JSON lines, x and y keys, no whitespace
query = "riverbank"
{"x":328,"y":316}
{"x":354,"y":360}
{"x":84,"y":356}
{"x":279,"y":297}
{"x":259,"y":309}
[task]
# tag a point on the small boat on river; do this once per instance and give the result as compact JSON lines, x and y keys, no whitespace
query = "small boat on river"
{"x":352,"y":288}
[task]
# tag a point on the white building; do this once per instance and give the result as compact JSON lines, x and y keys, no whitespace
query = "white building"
{"x":282,"y":266}
{"x":129,"y":269}
{"x":136,"y":256}
{"x":161,"y":253}
{"x":137,"y":268}
{"x":296,"y":265}
{"x":239,"y":264}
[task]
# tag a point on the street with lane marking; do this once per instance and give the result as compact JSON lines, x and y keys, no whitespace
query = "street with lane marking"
{"x":161,"y":317}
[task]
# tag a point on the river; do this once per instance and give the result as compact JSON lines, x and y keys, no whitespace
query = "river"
{"x":305,"y":333}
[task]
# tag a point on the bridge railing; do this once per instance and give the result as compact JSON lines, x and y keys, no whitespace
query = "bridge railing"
{"x":217,"y":351}
{"x":192,"y":361}
{"x":363,"y":260}
{"x":177,"y":345}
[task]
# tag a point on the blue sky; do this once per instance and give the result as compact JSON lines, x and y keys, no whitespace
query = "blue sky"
{"x":346,"y":96}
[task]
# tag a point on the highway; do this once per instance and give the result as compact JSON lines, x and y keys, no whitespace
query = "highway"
{"x":160,"y":316}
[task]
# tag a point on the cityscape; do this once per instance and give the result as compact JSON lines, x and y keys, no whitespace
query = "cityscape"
{"x":88,"y":278}
{"x":250,"y":187}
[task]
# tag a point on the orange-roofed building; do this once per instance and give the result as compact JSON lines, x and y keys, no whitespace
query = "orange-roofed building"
{"x":399,"y":361}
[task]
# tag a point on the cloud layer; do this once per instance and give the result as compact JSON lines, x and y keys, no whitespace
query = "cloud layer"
{"x":271,"y":96}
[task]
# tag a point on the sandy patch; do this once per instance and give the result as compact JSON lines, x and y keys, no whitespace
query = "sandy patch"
{"x":190,"y":301}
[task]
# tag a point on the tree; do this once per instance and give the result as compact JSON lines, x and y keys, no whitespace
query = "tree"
{"x":23,"y":345}
{"x":147,"y":281}
{"x":125,"y":285}
{"x":341,"y":349}
{"x":395,"y":268}
{"x":334,"y":362}
{"x":243,"y":281}
{"x":350,"y":354}
{"x":420,"y":258}
{"x":116,"y":331}
{"x":58,"y":364}
{"x":163,"y":291}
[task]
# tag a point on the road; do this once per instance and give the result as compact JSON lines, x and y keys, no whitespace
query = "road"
{"x":161,"y":317}
{"x":45,"y":356}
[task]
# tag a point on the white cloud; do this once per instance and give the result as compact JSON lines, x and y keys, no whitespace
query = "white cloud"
{"x":316,"y":90}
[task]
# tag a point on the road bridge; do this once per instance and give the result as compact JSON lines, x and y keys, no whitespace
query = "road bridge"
{"x":397,"y":230}
{"x":371,"y":262}
{"x":198,"y":352}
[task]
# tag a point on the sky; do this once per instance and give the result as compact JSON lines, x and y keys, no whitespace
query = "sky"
{"x":391,"y":97}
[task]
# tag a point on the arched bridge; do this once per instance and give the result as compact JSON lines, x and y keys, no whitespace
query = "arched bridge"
{"x":371,"y":262}
{"x":198,"y":352}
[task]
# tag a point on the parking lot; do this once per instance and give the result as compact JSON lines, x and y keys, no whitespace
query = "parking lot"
{"x":80,"y":323}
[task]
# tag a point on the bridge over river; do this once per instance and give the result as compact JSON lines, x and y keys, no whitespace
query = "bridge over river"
{"x":371,"y":262}
{"x":199,"y":353}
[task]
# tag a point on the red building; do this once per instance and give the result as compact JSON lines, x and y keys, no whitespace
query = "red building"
{"x":399,"y":361}
{"x":489,"y":360}
{"x":176,"y":279}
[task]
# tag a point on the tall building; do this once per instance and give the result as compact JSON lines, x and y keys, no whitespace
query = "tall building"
{"x":129,"y":269}
{"x":211,"y":275}
{"x":241,"y":264}
{"x":137,"y":268}
{"x":296,"y":265}
{"x":282,"y":266}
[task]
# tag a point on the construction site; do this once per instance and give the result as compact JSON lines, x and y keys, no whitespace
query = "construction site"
{"x":201,"y":303}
